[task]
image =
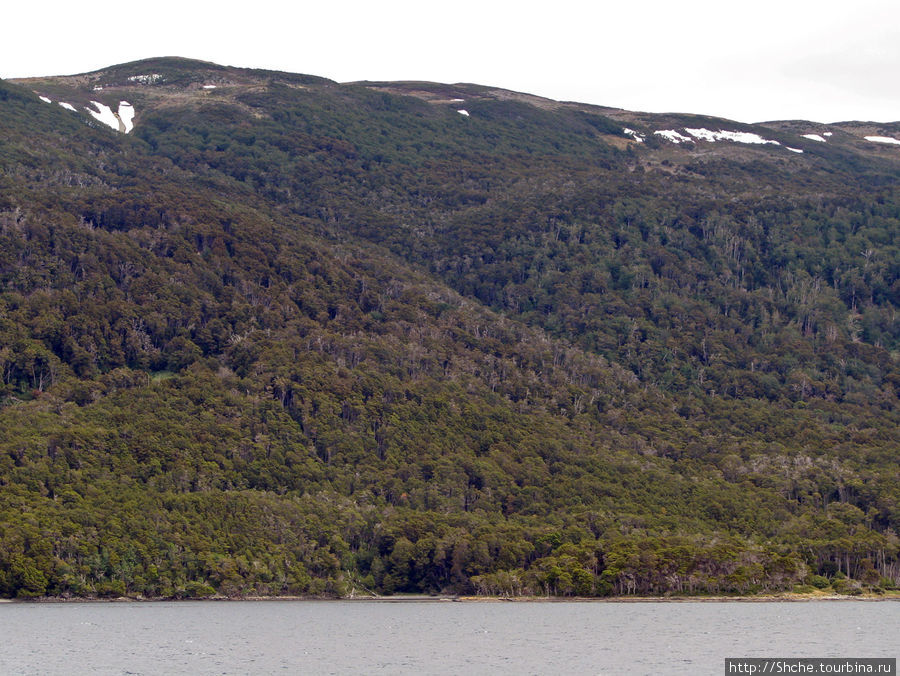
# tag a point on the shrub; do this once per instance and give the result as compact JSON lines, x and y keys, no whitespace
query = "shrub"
{"x":846,"y":587}
{"x":195,"y":590}
{"x":817,"y":581}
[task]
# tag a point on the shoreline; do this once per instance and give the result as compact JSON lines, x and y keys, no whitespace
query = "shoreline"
{"x":422,"y":598}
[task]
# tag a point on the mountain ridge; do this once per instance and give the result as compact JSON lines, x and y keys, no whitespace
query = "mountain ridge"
{"x":663,"y":140}
{"x":182,"y":67}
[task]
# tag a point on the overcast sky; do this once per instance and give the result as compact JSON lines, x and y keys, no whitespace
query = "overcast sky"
{"x":765,"y":60}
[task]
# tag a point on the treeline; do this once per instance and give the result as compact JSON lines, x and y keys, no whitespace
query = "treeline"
{"x":121,"y":540}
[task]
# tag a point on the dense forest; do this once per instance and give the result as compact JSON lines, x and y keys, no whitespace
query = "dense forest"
{"x":294,"y":337}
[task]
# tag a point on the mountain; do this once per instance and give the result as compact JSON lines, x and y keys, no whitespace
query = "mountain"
{"x":264,"y":333}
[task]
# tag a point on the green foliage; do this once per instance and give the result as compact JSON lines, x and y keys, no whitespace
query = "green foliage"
{"x":847,"y":587}
{"x":818,"y":581}
{"x":313,"y":339}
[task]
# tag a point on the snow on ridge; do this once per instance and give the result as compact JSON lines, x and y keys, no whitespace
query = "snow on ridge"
{"x":674,"y":136}
{"x":152,"y":78}
{"x":704,"y":134}
{"x":722,"y":135}
{"x":126,"y":115}
{"x":463,"y":112}
{"x":633,"y":134}
{"x":794,"y":150}
{"x":67,"y":106}
{"x":45,"y":99}
{"x":883,"y":139}
{"x":816,"y":137}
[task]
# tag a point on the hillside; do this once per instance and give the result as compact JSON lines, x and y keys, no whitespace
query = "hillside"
{"x":264,"y":333}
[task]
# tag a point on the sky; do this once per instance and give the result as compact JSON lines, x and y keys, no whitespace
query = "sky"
{"x":770,"y":59}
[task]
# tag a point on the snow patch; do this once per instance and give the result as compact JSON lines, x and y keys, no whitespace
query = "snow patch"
{"x":633,"y":134}
{"x":722,"y":135}
{"x":463,"y":112}
{"x":704,"y":134}
{"x":105,"y":115}
{"x":828,"y":133}
{"x":457,"y":100}
{"x":674,"y":136}
{"x":816,"y":137}
{"x":209,"y":86}
{"x":45,"y":99}
{"x":67,"y":106}
{"x":152,"y":78}
{"x":126,"y":115}
{"x":98,"y":88}
{"x":794,"y":150}
{"x":883,"y":139}
{"x":122,"y":121}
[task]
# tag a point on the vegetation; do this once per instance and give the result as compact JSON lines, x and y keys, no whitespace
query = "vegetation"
{"x":293,"y":337}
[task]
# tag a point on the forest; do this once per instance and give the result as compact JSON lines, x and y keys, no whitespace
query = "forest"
{"x":290,"y":337}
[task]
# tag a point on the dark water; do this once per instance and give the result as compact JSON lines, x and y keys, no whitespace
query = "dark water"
{"x":352,"y":637}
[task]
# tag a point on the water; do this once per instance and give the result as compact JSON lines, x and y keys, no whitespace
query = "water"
{"x":353,"y":637}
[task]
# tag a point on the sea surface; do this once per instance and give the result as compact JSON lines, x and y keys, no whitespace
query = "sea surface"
{"x":433,"y":637}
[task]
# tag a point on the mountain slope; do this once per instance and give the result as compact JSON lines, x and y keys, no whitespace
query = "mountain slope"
{"x":290,"y":336}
